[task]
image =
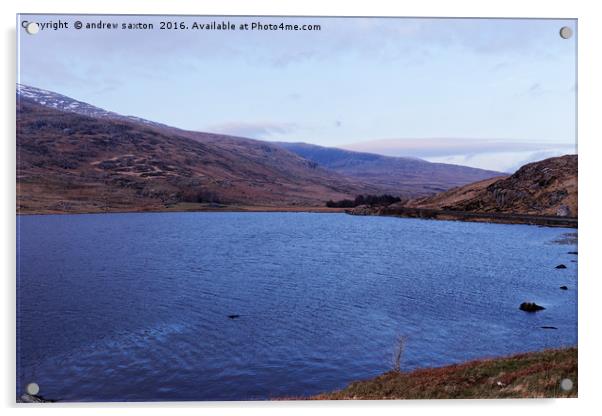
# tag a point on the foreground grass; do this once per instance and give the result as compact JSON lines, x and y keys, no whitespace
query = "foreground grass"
{"x":535,"y":374}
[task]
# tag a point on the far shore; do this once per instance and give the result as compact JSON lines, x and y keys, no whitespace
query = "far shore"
{"x":184,"y":207}
{"x":438,"y":215}
{"x":468,"y":216}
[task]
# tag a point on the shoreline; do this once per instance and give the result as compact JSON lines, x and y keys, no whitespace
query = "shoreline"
{"x":196,"y":208}
{"x":467,"y":216}
{"x":536,"y":374}
{"x":418,"y":213}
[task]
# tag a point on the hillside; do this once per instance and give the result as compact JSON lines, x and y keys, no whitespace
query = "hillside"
{"x":75,"y":157}
{"x":547,"y":187}
{"x":410,"y":177}
{"x":529,"y":375}
{"x":70,"y":162}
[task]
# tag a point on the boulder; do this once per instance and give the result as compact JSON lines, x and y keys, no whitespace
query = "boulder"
{"x":530,"y":307}
{"x":564,"y":288}
{"x":561,"y":266}
{"x":563,"y":211}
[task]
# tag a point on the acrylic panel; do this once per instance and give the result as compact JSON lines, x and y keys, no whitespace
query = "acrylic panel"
{"x":218,"y":208}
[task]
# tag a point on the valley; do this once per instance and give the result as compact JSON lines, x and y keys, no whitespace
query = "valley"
{"x":73,"y":157}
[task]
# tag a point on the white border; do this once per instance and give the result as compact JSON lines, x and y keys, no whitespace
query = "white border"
{"x":590,"y":114}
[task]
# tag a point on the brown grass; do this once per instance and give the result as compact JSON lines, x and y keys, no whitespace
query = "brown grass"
{"x":68,"y":163}
{"x":529,"y":375}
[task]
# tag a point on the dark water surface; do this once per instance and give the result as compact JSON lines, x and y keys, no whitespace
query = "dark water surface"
{"x":120,"y":307}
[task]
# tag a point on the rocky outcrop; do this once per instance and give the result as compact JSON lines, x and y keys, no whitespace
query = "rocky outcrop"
{"x":546,"y":188}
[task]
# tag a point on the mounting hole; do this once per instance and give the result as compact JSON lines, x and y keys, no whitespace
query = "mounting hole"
{"x":32,"y":28}
{"x":566,"y":384}
{"x":566,"y":32}
{"x":33,"y":389}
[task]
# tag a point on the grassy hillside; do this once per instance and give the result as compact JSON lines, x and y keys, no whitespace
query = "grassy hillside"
{"x":535,"y":374}
{"x":68,"y":162}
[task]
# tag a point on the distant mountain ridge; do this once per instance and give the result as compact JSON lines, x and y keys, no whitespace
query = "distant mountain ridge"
{"x":408,"y":176}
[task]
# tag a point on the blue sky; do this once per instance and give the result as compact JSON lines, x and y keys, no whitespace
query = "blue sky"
{"x":356,"y":83}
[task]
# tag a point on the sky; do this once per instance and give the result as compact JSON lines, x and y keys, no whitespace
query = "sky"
{"x":489,"y":93}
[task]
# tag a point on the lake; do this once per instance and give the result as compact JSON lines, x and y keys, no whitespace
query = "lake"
{"x":135,"y":307}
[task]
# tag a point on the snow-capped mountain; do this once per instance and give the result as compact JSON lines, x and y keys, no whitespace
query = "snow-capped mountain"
{"x":64,"y":103}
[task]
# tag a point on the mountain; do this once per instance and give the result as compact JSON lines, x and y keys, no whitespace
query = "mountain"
{"x":410,"y":177}
{"x":75,"y":157}
{"x":547,"y":187}
{"x":67,"y":104}
{"x":87,"y":161}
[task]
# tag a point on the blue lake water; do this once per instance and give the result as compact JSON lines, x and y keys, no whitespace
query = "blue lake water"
{"x":130,"y":307}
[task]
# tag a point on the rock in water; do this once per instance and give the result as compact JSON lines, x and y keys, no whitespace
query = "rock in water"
{"x":564,"y":288}
{"x":573,"y":252}
{"x":530,"y":307}
{"x":233,"y":316}
{"x":561,"y":266}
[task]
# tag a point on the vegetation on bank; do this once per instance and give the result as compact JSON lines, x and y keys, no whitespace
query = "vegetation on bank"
{"x":529,"y":375}
{"x":398,"y":210}
{"x":371,"y":200}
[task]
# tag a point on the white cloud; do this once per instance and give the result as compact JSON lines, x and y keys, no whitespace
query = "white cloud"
{"x":254,"y":130}
{"x":503,"y":162}
{"x":500,"y":155}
